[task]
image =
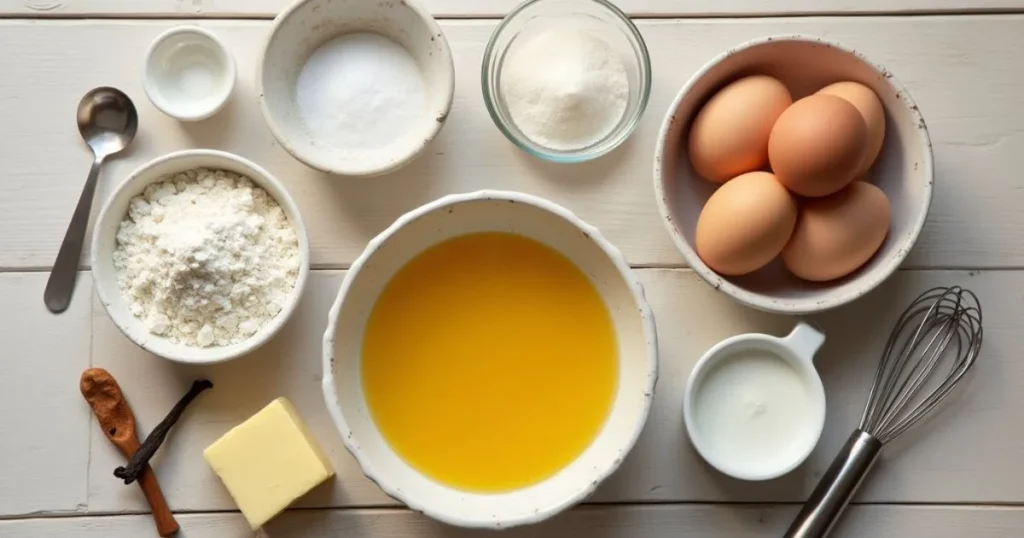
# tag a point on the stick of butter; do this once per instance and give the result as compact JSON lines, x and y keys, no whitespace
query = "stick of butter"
{"x":268,"y":461}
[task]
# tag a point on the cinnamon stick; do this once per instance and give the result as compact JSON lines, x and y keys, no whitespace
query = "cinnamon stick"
{"x":117,"y":421}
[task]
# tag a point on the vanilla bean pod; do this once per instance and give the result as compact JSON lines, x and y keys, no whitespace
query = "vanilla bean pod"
{"x":129,"y":473}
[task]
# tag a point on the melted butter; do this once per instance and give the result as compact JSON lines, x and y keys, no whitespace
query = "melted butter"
{"x":489,"y":362}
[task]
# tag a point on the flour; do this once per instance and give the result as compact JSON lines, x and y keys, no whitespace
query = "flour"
{"x":360,"y":92}
{"x":205,"y":257}
{"x":565,"y":89}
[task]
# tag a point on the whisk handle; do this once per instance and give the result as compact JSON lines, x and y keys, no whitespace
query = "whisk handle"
{"x":837,"y":487}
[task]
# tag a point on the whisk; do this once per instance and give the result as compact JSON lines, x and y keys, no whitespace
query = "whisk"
{"x":931,"y":348}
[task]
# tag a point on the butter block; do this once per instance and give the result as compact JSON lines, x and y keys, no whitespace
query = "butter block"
{"x":268,"y":461}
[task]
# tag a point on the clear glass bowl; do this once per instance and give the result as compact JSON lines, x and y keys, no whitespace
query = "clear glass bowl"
{"x":597,"y":16}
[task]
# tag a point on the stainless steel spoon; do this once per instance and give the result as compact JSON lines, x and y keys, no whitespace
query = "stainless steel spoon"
{"x":107,"y":120}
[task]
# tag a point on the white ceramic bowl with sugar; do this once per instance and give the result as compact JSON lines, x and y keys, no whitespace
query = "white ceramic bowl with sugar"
{"x":456,"y":215}
{"x":104,"y":242}
{"x":804,"y":64}
{"x":305,"y":25}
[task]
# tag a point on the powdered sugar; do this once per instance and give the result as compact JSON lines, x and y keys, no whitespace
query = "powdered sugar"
{"x":565,"y":89}
{"x":206,"y":257}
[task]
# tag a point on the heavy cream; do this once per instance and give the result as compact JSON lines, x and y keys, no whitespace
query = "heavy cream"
{"x":756,"y":411}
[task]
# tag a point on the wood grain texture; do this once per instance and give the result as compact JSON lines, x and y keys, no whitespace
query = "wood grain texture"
{"x":44,"y":424}
{"x":962,"y":71}
{"x":670,"y":521}
{"x":496,"y":8}
{"x":967,"y":454}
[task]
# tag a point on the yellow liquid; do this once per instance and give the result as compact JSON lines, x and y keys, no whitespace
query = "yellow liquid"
{"x":489,"y":362}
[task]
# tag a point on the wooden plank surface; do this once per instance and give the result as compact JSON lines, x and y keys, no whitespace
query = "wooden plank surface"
{"x":662,"y":468}
{"x":44,"y":441}
{"x":498,"y":8}
{"x":963,"y":72}
{"x":699,"y":521}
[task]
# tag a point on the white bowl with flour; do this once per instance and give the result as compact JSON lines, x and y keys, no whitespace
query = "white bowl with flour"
{"x":193,"y":263}
{"x":355,"y":88}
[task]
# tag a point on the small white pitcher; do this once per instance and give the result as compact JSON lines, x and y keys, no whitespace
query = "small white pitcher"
{"x":772,"y":382}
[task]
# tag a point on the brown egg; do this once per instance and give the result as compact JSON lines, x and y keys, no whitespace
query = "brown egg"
{"x":818,"y":145}
{"x":729,"y":136}
{"x":837,"y":234}
{"x":870,"y":108}
{"x":745,"y":224}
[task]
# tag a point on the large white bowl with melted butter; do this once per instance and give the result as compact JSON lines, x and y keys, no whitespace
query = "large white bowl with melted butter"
{"x":554,"y":226}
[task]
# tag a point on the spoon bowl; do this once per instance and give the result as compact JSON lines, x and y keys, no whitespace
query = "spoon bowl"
{"x":108,"y":121}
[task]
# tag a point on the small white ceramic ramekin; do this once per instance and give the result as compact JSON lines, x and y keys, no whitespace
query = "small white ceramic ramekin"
{"x":797,"y":350}
{"x":554,"y":226}
{"x":189,"y":73}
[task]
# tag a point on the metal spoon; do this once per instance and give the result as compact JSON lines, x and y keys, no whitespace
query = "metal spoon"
{"x":107,"y":121}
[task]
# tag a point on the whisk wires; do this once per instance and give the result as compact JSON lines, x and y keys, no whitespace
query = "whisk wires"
{"x":931,"y":348}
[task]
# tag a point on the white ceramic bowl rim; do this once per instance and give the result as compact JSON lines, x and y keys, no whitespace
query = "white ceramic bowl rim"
{"x":166,"y":106}
{"x":753,"y":299}
{"x":311,"y":158}
{"x":330,"y":391}
{"x":801,"y":345}
{"x":210,"y":355}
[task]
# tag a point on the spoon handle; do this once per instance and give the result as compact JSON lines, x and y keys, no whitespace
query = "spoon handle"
{"x":61,"y":284}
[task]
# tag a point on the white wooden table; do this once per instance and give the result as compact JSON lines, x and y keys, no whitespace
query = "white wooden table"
{"x":960,"y":475}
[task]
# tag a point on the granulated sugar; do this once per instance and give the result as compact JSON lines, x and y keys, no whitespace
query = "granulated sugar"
{"x":565,"y":89}
{"x":360,"y":92}
{"x":206,"y":257}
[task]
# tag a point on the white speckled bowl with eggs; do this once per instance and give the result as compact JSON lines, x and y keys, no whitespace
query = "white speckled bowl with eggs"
{"x":804,"y":64}
{"x":104,"y":243}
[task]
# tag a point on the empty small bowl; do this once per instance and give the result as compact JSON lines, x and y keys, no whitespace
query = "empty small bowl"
{"x":104,"y":243}
{"x":189,"y":73}
{"x":306,"y":25}
{"x":453,"y":216}
{"x":598,"y":17}
{"x":804,"y":64}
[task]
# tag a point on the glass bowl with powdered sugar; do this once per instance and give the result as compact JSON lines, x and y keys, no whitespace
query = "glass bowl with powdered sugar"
{"x":566,"y":80}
